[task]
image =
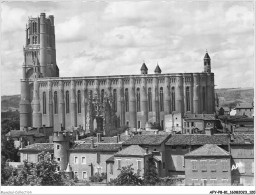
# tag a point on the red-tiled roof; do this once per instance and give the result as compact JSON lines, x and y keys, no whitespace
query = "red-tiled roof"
{"x":133,"y":150}
{"x":208,"y":150}
{"x":244,"y":106}
{"x":105,"y":139}
{"x":147,"y":139}
{"x":111,"y":147}
{"x":111,"y":159}
{"x":198,"y":139}
{"x":241,"y":139}
{"x":19,"y":133}
{"x":38,"y":147}
{"x":199,"y":117}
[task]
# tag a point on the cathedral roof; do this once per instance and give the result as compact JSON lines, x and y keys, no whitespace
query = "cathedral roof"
{"x":144,"y":67}
{"x":158,"y":69}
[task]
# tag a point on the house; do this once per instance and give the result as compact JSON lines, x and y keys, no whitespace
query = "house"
{"x":132,"y":155}
{"x":242,"y":151}
{"x":199,"y":123}
{"x":208,"y":165}
{"x":245,"y":109}
{"x":173,"y":122}
{"x":28,"y":137}
{"x":178,"y":145}
{"x":83,"y":158}
{"x":155,"y":144}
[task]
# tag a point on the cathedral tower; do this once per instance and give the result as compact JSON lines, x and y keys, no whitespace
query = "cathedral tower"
{"x":39,"y":61}
{"x":207,"y":63}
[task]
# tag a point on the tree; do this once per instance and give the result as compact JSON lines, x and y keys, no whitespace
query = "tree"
{"x":151,"y":175}
{"x":8,"y":149}
{"x":127,"y":177}
{"x":42,"y":173}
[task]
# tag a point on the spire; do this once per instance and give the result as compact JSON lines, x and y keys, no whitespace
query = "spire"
{"x":206,"y":56}
{"x":144,"y":68}
{"x":158,"y":69}
{"x":69,"y":169}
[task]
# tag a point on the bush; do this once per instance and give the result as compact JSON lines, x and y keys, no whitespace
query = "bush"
{"x":98,"y":177}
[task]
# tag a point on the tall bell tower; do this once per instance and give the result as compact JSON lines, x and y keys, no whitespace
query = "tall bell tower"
{"x":39,"y":61}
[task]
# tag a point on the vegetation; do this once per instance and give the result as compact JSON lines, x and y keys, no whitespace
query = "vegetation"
{"x":151,"y":175}
{"x":127,"y":177}
{"x":98,"y":177}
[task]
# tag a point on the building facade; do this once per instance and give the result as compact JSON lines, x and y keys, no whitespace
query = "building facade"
{"x":50,"y":100}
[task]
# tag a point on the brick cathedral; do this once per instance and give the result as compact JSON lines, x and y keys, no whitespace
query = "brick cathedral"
{"x":103,"y":101}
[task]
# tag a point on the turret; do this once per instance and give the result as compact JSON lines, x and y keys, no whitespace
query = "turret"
{"x":43,"y":39}
{"x":158,"y":70}
{"x":144,"y":69}
{"x":61,"y":142}
{"x":207,"y":63}
{"x":37,"y":115}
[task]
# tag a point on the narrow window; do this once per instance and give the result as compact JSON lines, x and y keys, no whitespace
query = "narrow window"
{"x":161,"y":99}
{"x":67,"y":101}
{"x":139,"y":165}
{"x":44,"y":103}
{"x":98,"y":158}
{"x":173,"y":99}
{"x":224,"y":164}
{"x":55,"y":101}
{"x":76,"y":160}
{"x":58,"y":147}
{"x":111,"y":168}
{"x":194,"y":165}
{"x":187,"y":99}
{"x":138,"y":99}
{"x":102,"y":96}
{"x":76,"y":174}
{"x":126,"y":96}
{"x":83,"y":160}
{"x":213,"y":165}
{"x":114,"y":100}
{"x":213,"y":181}
{"x":149,"y":100}
{"x":84,"y":175}
{"x":203,"y":165}
{"x":119,"y":164}
{"x":79,"y":101}
{"x":204,"y":97}
{"x":58,"y":159}
{"x":138,"y":124}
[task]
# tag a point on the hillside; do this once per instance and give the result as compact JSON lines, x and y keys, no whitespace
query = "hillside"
{"x":232,"y":96}
{"x":10,"y":102}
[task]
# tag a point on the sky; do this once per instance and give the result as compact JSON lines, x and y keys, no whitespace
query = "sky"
{"x":95,"y":38}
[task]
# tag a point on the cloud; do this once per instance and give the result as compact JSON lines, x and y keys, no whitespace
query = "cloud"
{"x":106,"y":38}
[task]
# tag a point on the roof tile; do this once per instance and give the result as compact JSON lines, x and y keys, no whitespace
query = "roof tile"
{"x":208,"y":150}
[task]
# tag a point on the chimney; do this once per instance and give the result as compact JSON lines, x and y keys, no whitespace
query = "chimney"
{"x":146,"y":150}
{"x":98,"y":137}
{"x":118,"y":138}
{"x":92,"y":142}
{"x":156,"y":132}
{"x":77,"y":136}
{"x":126,"y":132}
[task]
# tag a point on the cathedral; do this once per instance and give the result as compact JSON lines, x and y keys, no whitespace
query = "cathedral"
{"x":103,"y":102}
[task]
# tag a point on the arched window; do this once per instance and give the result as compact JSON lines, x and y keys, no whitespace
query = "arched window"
{"x":35,"y":27}
{"x":173,"y":99}
{"x":102,"y":96}
{"x":79,"y":101}
{"x":187,"y":99}
{"x":55,"y":100}
{"x":44,"y":103}
{"x":67,"y":101}
{"x":114,"y":100}
{"x":149,"y":100}
{"x":161,"y":99}
{"x":204,"y":96}
{"x":35,"y":39}
{"x":138,"y":99}
{"x":126,"y":97}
